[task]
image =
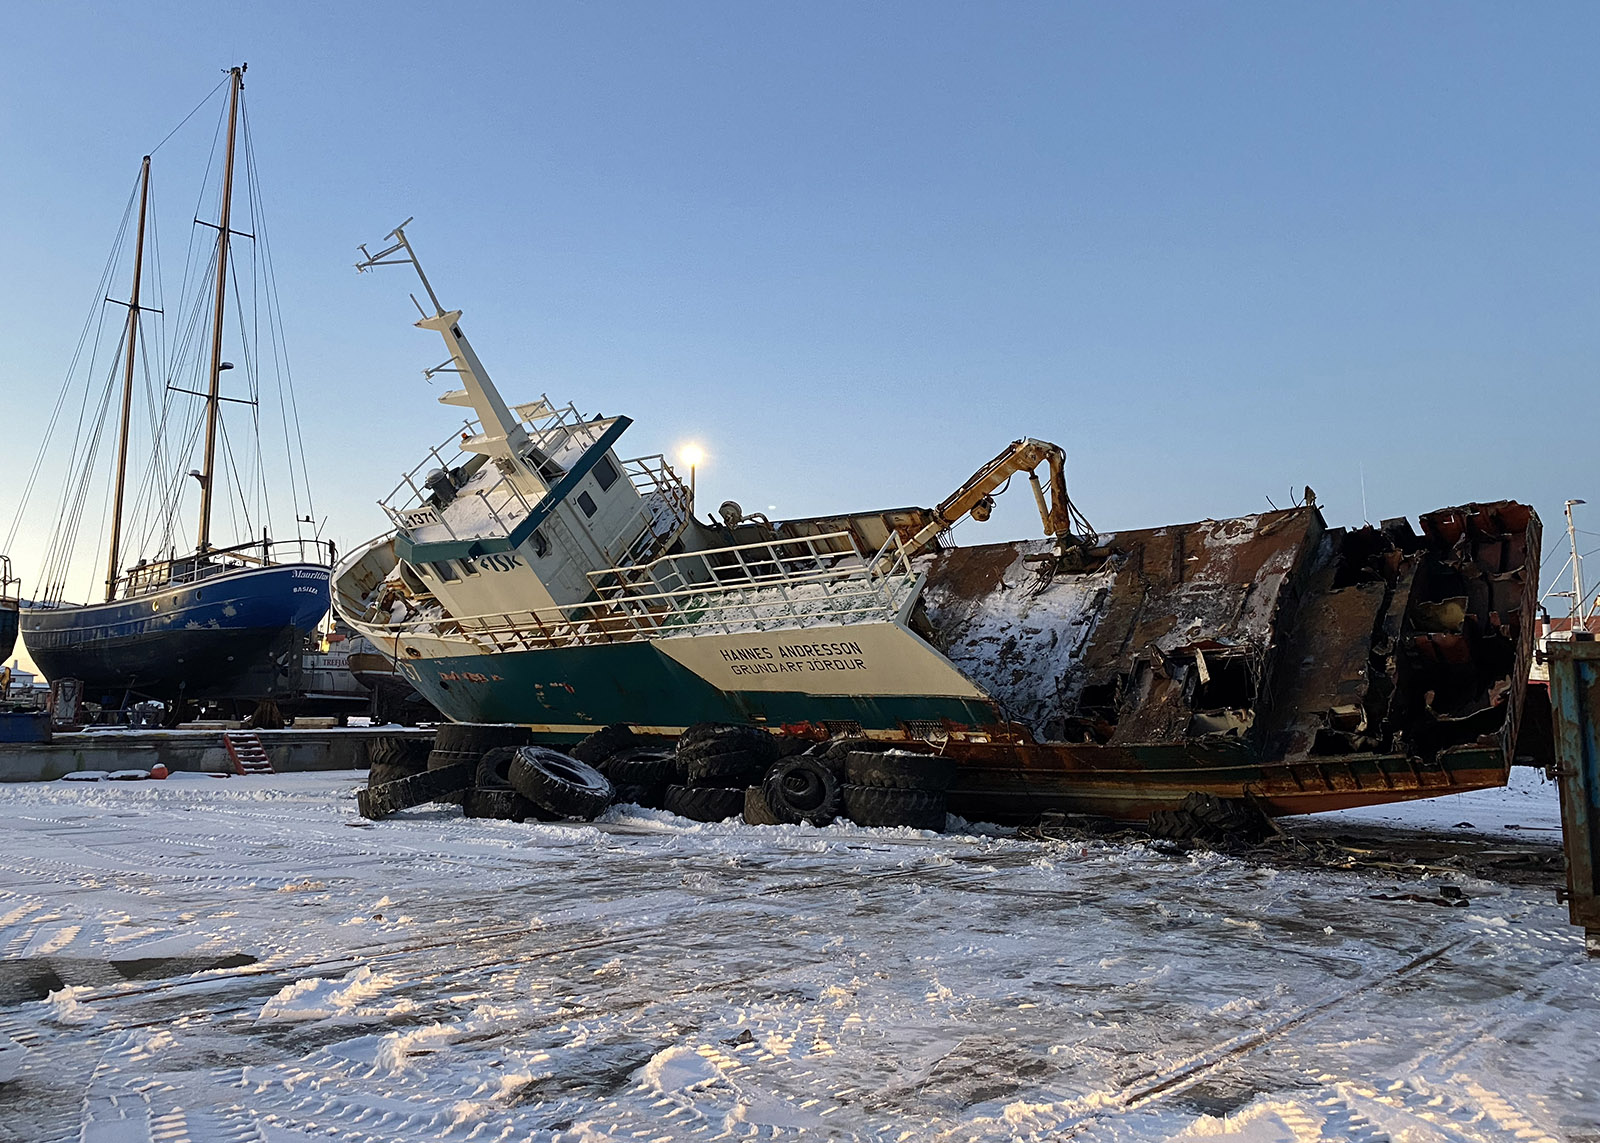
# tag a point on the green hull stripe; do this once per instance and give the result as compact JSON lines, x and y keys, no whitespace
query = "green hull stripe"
{"x":633,"y":682}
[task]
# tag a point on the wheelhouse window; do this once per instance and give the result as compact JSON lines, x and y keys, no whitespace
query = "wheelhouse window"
{"x":541,"y":546}
{"x":586,"y":502}
{"x":605,"y":473}
{"x":446,"y":571}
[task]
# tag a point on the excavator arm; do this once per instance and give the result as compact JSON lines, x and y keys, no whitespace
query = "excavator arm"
{"x":975,"y":498}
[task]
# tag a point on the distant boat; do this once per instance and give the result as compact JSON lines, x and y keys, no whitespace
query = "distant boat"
{"x":8,"y":611}
{"x":223,"y":621}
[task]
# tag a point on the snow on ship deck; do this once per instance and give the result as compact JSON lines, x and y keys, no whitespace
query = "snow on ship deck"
{"x":249,"y":960}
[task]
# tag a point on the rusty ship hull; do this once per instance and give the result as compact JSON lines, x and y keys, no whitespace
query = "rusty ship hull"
{"x":1269,"y":657}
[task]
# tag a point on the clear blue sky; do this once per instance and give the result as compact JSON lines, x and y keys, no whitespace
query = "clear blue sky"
{"x":1218,"y":251}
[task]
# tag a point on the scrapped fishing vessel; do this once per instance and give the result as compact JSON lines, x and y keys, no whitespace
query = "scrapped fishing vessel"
{"x":533,"y":575}
{"x":223,"y":621}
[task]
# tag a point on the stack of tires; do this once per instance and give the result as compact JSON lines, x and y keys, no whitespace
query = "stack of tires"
{"x":639,"y":773}
{"x":803,"y":788}
{"x":716,"y":764}
{"x":718,"y":771}
{"x":491,"y":771}
{"x":465,"y":743}
{"x":391,"y":758}
{"x":855,"y":779}
{"x":896,"y":788}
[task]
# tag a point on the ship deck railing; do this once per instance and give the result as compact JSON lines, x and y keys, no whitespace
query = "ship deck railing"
{"x":767,"y":586}
{"x":197,"y":567}
{"x":411,"y":506}
{"x":549,"y":428}
{"x":667,"y":508}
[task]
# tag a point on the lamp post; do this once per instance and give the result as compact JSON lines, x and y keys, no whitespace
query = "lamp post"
{"x":691,"y":455}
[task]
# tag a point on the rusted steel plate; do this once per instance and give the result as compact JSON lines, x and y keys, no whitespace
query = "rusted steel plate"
{"x":1016,"y":783}
{"x":1575,"y":695}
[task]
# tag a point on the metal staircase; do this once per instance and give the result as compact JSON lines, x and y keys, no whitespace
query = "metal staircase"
{"x":249,"y":756}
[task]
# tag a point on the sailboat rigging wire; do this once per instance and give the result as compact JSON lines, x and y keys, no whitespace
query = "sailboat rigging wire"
{"x":59,"y":555}
{"x":236,"y":504}
{"x":288,"y":405}
{"x":155,"y":406}
{"x":189,"y":116}
{"x":189,"y":263}
{"x":95,"y":310}
{"x":76,"y":475}
{"x":104,"y":531}
{"x":258,"y":476}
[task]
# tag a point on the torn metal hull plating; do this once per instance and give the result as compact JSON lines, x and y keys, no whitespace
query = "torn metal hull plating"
{"x":1267,"y":657}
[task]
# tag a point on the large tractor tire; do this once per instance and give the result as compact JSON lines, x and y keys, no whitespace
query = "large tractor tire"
{"x":498,"y":802}
{"x":704,"y":803}
{"x":1232,"y":823}
{"x":389,"y":759}
{"x":640,"y":767}
{"x":445,"y":783}
{"x":467,"y":742}
{"x":727,"y":756}
{"x":559,"y":784}
{"x":604,"y":743}
{"x":885,"y":806}
{"x":802,"y":789}
{"x":726,"y":741}
{"x":756,"y":810}
{"x":899,"y":770}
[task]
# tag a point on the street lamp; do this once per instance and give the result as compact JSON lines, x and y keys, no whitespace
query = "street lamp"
{"x":691,"y":455}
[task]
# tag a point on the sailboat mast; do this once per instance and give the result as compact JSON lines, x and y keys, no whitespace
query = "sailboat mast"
{"x":207,"y":473}
{"x":127,"y":386}
{"x":1578,"y":616}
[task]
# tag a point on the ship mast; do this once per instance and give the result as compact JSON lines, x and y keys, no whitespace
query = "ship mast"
{"x":236,"y":75}
{"x":1578,"y":617}
{"x":127,"y":386}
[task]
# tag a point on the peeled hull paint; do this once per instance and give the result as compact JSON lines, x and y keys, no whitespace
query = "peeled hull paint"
{"x":1267,"y":656}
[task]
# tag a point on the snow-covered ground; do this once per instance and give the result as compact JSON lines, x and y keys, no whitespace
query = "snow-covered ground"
{"x":245,"y":959}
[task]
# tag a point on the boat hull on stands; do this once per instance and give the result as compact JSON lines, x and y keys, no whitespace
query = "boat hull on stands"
{"x":237,"y":634}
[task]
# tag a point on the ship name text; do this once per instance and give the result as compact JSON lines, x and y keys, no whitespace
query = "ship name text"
{"x":789,"y":658}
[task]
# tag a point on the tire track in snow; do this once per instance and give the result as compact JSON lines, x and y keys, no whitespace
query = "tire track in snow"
{"x":1077,"y":1116}
{"x":583,"y":1013}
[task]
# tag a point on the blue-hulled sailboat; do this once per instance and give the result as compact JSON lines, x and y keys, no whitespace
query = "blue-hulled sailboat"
{"x":222,"y":622}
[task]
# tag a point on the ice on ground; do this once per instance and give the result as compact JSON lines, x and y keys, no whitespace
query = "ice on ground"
{"x":12,"y":1056}
{"x":647,"y":978}
{"x":66,"y":1007}
{"x":679,"y":1069}
{"x":318,"y":999}
{"x":398,"y":1048}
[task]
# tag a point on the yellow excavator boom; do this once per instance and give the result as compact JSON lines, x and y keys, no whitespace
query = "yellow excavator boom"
{"x":975,"y":498}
